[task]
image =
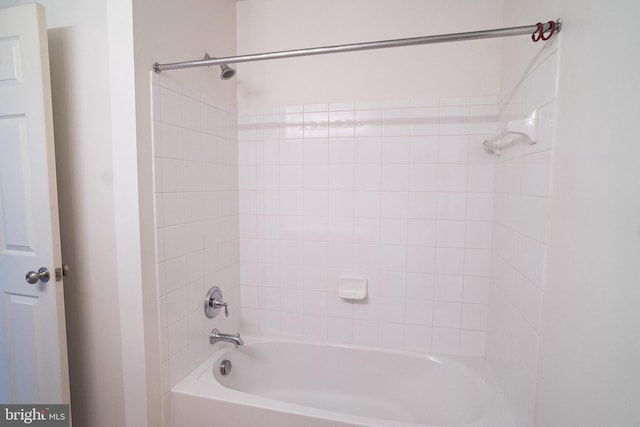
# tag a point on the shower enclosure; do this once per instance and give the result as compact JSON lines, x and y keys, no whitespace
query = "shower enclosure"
{"x":277,"y":200}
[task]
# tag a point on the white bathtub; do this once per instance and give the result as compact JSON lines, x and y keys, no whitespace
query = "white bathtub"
{"x":298,"y":384}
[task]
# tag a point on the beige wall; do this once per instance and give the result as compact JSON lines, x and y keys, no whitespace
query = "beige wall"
{"x":453,"y":69}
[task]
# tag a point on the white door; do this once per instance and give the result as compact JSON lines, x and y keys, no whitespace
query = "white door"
{"x":33,"y":343}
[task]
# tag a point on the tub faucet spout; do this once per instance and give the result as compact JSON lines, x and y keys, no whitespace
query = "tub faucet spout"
{"x":217,"y":336}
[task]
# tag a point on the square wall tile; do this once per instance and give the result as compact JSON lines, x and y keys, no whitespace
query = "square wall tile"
{"x":390,"y":190}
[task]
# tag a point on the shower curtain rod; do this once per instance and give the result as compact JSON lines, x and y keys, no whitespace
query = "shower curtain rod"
{"x":552,"y":26}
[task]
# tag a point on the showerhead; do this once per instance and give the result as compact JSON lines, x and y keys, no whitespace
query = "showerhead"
{"x":227,"y":72}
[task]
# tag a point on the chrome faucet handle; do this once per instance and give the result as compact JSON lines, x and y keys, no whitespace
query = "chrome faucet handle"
{"x":213,"y":302}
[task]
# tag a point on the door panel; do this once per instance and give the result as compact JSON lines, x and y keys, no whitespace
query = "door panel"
{"x":16,"y":229}
{"x":22,"y":326}
{"x":10,"y":65}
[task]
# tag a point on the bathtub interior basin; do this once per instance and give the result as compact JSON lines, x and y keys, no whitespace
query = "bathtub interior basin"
{"x":366,"y":387}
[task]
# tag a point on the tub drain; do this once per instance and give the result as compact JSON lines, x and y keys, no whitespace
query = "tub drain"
{"x":225,"y":367}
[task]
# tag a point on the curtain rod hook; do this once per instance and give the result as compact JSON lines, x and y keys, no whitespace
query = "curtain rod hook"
{"x":539,"y":33}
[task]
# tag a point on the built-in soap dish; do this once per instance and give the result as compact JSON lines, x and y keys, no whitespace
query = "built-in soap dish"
{"x":352,"y":287}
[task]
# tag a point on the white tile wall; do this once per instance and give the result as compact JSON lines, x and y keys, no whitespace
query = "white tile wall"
{"x":399,"y":192}
{"x":522,"y":186}
{"x":196,"y":216}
